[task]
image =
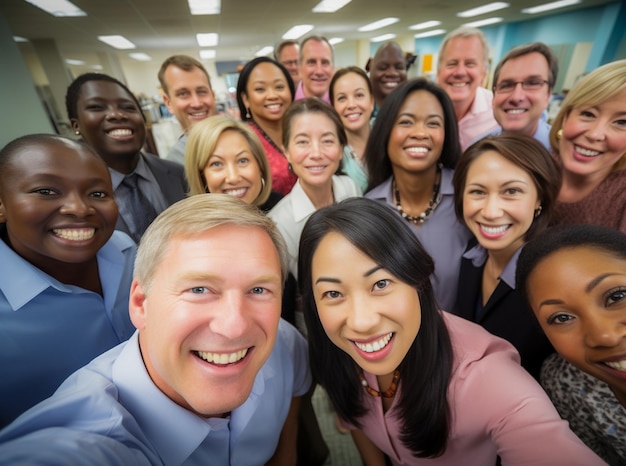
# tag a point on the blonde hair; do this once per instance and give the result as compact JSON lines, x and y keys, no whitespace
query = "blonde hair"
{"x":597,"y":87}
{"x":465,"y":33}
{"x":196,"y":215}
{"x":201,"y":144}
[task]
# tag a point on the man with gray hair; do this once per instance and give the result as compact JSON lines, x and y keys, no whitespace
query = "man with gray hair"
{"x":461,"y":71}
{"x":316,"y":68}
{"x":212,"y":375}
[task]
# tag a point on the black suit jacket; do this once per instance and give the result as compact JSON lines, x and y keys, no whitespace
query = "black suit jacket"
{"x":171,"y":179}
{"x":505,"y":314}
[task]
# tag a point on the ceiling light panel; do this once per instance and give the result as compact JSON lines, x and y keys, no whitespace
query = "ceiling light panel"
{"x":205,"y":7}
{"x":330,"y":6}
{"x":118,"y":42}
{"x":481,"y":10}
{"x":383,"y":38}
{"x":483,"y":22}
{"x":434,"y":32}
{"x":381,"y":23}
{"x":209,"y":39}
{"x":297,"y":31}
{"x":426,"y":25}
{"x":264,"y":51}
{"x":549,"y":6}
{"x":140,"y":56}
{"x":208,"y":54}
{"x":58,"y":7}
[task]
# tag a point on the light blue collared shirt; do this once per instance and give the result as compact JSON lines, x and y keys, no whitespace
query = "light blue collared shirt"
{"x":49,"y":329}
{"x":110,"y":412}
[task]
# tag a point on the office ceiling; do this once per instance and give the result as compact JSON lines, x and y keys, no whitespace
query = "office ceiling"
{"x":160,"y":28}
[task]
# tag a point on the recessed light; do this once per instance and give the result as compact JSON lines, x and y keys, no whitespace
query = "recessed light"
{"x":208,"y":39}
{"x":381,"y":23}
{"x":330,"y":6}
{"x":118,"y":42}
{"x":264,"y":51}
{"x":208,"y":54}
{"x":58,"y":7}
{"x":426,"y":25}
{"x":434,"y":32}
{"x":140,"y":56}
{"x":549,"y":6}
{"x":383,"y":38}
{"x":297,"y":31}
{"x":483,"y":22}
{"x":481,"y":10}
{"x":205,"y":7}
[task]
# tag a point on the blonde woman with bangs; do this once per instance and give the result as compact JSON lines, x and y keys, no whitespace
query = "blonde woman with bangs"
{"x":223,"y":155}
{"x":588,"y":137}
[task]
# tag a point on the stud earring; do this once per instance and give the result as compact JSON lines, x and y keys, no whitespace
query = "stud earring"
{"x":559,"y":134}
{"x":77,"y":132}
{"x":538,"y":211}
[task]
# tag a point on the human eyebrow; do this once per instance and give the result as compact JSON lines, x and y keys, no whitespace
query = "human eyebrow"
{"x":550,"y":302}
{"x":327,"y":279}
{"x":372,"y":270}
{"x":596,"y":281}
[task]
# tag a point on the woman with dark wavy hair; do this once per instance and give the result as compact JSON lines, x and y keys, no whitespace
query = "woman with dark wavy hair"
{"x":411,"y":382}
{"x":410,"y":157}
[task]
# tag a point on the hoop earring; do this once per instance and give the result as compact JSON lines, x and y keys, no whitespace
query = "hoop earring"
{"x":262,"y":183}
{"x":538,"y":211}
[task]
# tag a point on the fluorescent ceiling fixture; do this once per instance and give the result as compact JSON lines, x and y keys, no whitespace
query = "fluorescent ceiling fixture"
{"x":549,"y":6}
{"x":96,"y":67}
{"x":434,"y":32}
{"x":118,"y":42}
{"x":58,"y":7}
{"x":140,"y":56}
{"x":208,"y":39}
{"x":297,"y":31}
{"x":383,"y":38}
{"x":330,"y":6}
{"x":426,"y":25}
{"x":205,"y":7}
{"x":381,"y":23}
{"x":71,"y":61}
{"x":264,"y":51}
{"x":19,"y":39}
{"x":483,"y":22}
{"x":481,"y":10}
{"x":335,"y":40}
{"x":208,"y":54}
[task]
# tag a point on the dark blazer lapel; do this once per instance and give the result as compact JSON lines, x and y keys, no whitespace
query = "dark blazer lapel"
{"x":502,"y":291}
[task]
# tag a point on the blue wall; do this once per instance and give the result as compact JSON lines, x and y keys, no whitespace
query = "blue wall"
{"x":604,"y":25}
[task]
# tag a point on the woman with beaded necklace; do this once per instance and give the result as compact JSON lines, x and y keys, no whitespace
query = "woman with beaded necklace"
{"x":410,"y":157}
{"x":264,"y":93}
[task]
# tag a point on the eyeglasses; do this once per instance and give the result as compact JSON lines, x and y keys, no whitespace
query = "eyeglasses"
{"x":289,"y":63}
{"x":506,"y":87}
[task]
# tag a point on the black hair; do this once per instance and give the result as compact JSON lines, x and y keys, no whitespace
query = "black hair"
{"x":376,"y":157}
{"x":244,"y":77}
{"x":377,"y":231}
{"x":608,"y":240}
{"x":73,"y":92}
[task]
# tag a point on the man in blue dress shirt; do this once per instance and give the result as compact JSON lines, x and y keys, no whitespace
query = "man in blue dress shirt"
{"x":212,"y":376}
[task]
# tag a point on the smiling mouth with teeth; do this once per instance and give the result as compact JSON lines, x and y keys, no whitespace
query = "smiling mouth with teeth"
{"x":75,"y":234}
{"x":376,"y":345}
{"x":222,"y":359}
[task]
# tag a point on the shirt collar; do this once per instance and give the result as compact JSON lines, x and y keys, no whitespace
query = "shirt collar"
{"x":141,"y":169}
{"x":478,"y":255}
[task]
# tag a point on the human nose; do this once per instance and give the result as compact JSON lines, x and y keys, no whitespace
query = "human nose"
{"x":75,"y":204}
{"x":518,"y":92}
{"x":492,"y":207}
{"x":596,"y":131}
{"x":601,"y":331}
{"x":229,"y":318}
{"x":196,"y":101}
{"x":116,"y":113}
{"x":232,"y":173}
{"x":362,"y":316}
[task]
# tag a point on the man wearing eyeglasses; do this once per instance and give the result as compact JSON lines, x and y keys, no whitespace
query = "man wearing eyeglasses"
{"x":286,"y":53}
{"x":523,"y":82}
